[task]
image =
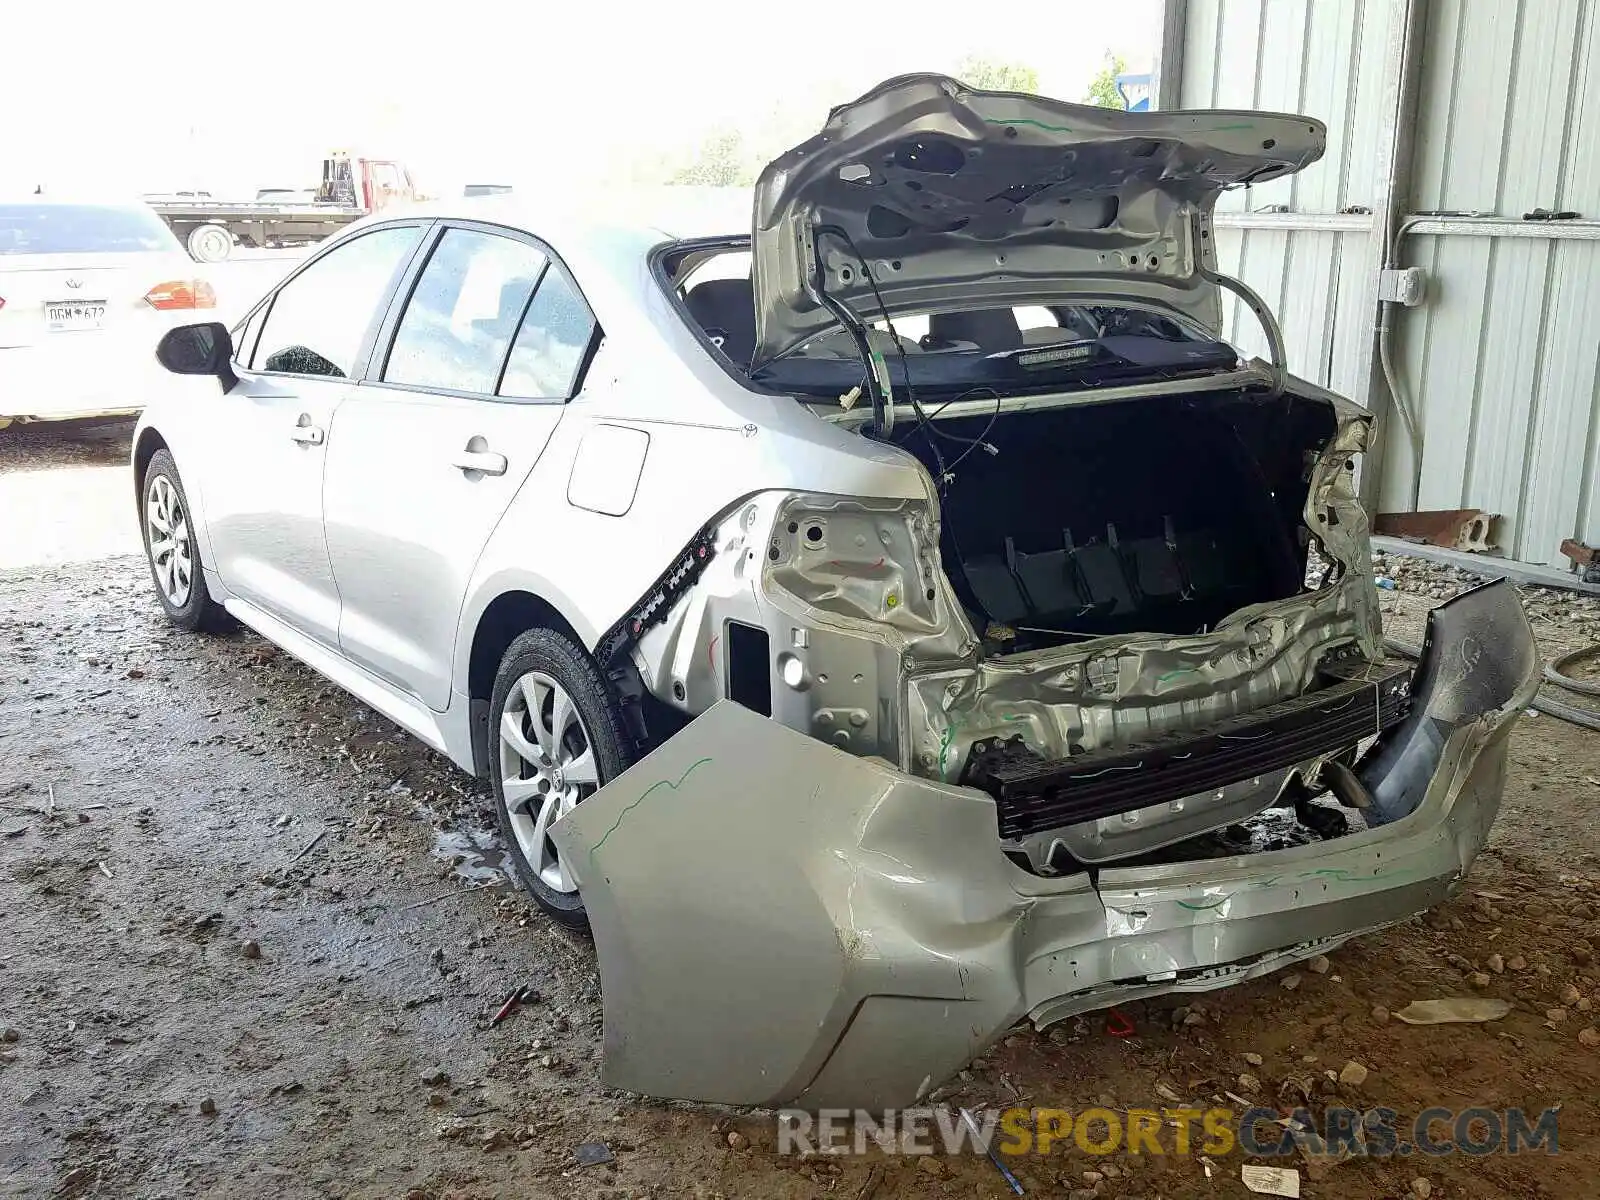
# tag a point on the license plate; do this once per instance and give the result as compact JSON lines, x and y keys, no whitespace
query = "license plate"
{"x":66,"y":315}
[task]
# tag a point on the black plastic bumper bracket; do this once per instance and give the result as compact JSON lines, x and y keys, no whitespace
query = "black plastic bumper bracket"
{"x":1033,"y":794}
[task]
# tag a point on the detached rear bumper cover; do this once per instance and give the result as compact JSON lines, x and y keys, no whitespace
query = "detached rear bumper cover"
{"x":778,"y":922}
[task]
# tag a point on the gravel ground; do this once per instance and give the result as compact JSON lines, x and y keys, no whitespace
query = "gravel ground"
{"x":251,"y":934}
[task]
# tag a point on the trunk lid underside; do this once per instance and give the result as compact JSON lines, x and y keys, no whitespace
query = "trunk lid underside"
{"x":955,"y":197}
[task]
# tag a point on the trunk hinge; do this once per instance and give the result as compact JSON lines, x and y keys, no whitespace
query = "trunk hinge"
{"x":1269,"y":323}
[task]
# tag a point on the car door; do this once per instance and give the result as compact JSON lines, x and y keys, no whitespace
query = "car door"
{"x":299,"y":354}
{"x":479,"y":355}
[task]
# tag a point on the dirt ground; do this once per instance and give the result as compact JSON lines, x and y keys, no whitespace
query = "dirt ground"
{"x":250,"y":935}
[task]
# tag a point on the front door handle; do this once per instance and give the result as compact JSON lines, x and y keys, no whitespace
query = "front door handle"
{"x":474,"y":458}
{"x":309,"y":435}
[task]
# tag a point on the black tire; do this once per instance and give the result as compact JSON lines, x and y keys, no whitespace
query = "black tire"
{"x":198,"y":611}
{"x":557,"y":656}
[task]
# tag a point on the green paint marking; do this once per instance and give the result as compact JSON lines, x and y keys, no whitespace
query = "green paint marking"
{"x":1035,"y":124}
{"x":949,"y":735}
{"x":1338,"y":875}
{"x":1343,"y":875}
{"x":660,"y":783}
{"x":1175,"y":673}
{"x":1217,"y":903}
{"x":1232,"y":126}
{"x":944,"y":750}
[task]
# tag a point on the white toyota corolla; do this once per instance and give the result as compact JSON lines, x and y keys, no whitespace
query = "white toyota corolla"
{"x":86,"y":291}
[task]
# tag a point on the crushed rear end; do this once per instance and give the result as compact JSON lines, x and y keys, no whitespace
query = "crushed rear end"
{"x":779,"y":922}
{"x":1105,"y":717}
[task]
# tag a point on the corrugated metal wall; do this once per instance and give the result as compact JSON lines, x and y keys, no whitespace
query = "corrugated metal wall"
{"x":1320,"y":59}
{"x":1503,"y":359}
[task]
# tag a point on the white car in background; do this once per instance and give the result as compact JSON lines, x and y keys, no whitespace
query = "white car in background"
{"x":86,"y":292}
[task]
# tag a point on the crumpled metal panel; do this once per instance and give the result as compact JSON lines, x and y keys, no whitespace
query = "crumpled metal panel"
{"x":780,"y":922}
{"x":872,"y":652}
{"x":750,"y":888}
{"x":1117,"y":690}
{"x":1477,"y":651}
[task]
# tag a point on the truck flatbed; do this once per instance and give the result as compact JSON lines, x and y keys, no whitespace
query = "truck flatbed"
{"x":210,"y":228}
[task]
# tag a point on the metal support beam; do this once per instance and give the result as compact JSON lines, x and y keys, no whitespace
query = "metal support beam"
{"x":1166,"y":86}
{"x":1292,"y":222}
{"x":1422,"y":226}
{"x":1401,"y":80}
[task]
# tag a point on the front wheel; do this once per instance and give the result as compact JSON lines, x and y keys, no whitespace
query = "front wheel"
{"x":559,"y":736}
{"x":173,"y":551}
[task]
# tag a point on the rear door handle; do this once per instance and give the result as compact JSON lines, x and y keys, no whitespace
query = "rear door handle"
{"x":310,"y":435}
{"x":485,"y":462}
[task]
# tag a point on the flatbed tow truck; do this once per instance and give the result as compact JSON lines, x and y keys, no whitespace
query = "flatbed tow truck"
{"x":351,"y":188}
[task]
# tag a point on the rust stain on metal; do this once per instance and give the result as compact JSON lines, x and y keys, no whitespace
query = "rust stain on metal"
{"x":1469,"y":529}
{"x":1585,"y":559}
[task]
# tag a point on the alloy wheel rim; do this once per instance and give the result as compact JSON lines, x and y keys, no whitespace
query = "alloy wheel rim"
{"x":547,"y":767}
{"x":171,"y":553}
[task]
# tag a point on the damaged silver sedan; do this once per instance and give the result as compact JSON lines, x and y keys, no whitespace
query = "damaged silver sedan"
{"x":1104,"y":717}
{"x":904,"y":619}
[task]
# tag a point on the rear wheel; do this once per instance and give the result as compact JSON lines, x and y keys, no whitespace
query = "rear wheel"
{"x":172,"y":549}
{"x":559,"y":736}
{"x":209,"y":243}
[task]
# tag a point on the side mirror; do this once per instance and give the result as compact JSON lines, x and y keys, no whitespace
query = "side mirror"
{"x":198,"y":350}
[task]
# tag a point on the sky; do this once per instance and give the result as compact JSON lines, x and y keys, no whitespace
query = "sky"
{"x":125,"y":96}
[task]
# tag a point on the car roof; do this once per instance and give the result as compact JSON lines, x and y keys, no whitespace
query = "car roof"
{"x":61,"y":199}
{"x":605,"y":240}
{"x":625,"y":216}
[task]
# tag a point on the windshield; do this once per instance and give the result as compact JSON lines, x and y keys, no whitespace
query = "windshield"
{"x":82,"y":229}
{"x":1017,"y":348}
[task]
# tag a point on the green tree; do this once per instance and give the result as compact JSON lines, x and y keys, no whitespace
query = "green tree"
{"x":722,"y":160}
{"x":991,"y":76}
{"x":1103,"y":87}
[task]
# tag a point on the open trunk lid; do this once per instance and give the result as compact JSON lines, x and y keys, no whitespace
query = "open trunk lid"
{"x":961,"y":199}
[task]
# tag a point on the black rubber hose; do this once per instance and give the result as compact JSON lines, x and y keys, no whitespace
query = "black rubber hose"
{"x":1556,"y":671}
{"x":1555,"y":708}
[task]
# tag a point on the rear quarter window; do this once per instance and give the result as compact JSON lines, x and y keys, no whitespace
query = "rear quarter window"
{"x":556,"y":335}
{"x":82,"y":229}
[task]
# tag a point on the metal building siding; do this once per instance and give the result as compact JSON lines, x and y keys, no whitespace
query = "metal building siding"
{"x":1503,"y":359}
{"x":1504,"y":356}
{"x":1310,"y":57}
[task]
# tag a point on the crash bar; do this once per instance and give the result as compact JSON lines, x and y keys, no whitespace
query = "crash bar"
{"x":1034,"y":795}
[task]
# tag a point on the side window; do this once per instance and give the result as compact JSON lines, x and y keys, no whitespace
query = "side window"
{"x":463,"y":313}
{"x":550,"y":346}
{"x":318,"y":318}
